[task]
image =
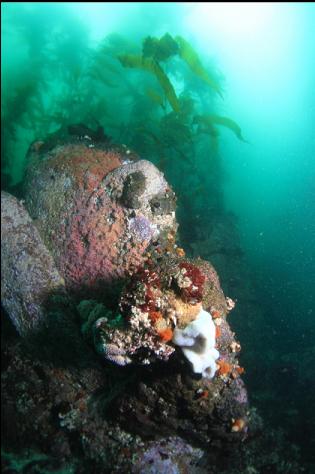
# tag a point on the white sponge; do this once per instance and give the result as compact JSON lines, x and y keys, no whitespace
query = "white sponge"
{"x":197,"y":341}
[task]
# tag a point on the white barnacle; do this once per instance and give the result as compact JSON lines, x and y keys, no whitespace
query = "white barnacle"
{"x":139,"y":319}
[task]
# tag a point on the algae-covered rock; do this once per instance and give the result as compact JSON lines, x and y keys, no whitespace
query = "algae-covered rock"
{"x":152,"y":380}
{"x":117,"y":421}
{"x":159,"y":299}
{"x":91,"y":204}
{"x":163,"y":304}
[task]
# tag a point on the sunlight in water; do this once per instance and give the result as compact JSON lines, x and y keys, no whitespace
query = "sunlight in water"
{"x":232,"y":19}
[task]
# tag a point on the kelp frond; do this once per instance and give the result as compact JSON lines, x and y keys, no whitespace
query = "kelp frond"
{"x":150,"y":65}
{"x":159,"y":49}
{"x":155,"y":97}
{"x":211,"y":120}
{"x":189,"y":55}
{"x":167,"y":86}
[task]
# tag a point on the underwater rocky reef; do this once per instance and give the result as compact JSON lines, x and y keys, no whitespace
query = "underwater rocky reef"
{"x":122,"y":350}
{"x":122,"y":358}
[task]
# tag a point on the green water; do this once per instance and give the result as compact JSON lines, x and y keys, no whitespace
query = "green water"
{"x":60,"y":66}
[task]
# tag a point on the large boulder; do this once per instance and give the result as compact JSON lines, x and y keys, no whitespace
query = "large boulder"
{"x":152,"y":374}
{"x":97,"y":209}
{"x":28,"y":273}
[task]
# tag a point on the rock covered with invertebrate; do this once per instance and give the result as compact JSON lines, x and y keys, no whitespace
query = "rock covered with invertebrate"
{"x":154,"y":311}
{"x":101,"y":217}
{"x":165,"y":306}
{"x":97,"y":207}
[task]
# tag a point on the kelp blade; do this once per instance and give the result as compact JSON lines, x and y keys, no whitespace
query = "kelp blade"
{"x":210,"y":120}
{"x":167,"y":86}
{"x":160,"y":49}
{"x":155,"y":97}
{"x":189,"y":55}
{"x":147,"y":64}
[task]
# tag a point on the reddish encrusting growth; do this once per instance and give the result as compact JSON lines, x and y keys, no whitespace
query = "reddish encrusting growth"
{"x":151,"y":284}
{"x":87,"y":166}
{"x":193,"y":292}
{"x":148,"y":276}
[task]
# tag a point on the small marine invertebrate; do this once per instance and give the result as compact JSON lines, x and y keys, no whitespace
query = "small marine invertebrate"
{"x":180,"y":252}
{"x":238,"y":424}
{"x":204,"y":394}
{"x":155,"y":316}
{"x":217,"y":332}
{"x":230,"y":304}
{"x":235,"y":346}
{"x":166,"y":334}
{"x":215,"y":314}
{"x":224,"y":367}
{"x":239,"y":370}
{"x":218,"y":321}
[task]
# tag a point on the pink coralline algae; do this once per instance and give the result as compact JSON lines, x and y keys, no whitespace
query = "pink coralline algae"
{"x":97,"y":212}
{"x":98,"y":249}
